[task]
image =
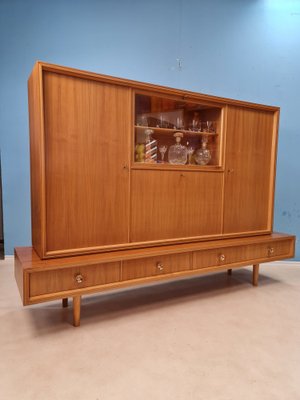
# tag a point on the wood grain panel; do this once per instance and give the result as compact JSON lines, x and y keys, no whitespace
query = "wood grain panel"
{"x":87,"y":128}
{"x":173,"y":204}
{"x":35,"y":107}
{"x":153,"y":266}
{"x":223,"y":255}
{"x":64,"y":279}
{"x":192,"y":96}
{"x":249,"y":168}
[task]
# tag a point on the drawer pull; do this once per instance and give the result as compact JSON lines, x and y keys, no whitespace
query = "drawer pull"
{"x":271,"y":250}
{"x":222,"y":257}
{"x":79,"y":278}
{"x":160,"y":266}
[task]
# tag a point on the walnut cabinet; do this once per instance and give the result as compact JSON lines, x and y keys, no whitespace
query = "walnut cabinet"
{"x":89,"y":194}
{"x":110,"y":209}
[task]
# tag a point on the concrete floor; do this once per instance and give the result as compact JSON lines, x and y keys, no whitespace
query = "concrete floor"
{"x":212,"y":337}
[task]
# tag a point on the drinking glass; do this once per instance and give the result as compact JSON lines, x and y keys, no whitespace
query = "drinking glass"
{"x":144,"y":120}
{"x":162,"y":150}
{"x":190,"y":151}
{"x":209,"y":125}
{"x":179,"y":123}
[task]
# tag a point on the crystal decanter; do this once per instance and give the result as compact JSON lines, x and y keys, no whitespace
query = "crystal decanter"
{"x":150,"y":147}
{"x":203,"y":155}
{"x":177,"y":152}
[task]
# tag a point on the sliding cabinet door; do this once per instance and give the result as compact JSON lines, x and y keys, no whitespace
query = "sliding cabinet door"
{"x":250,"y":170}
{"x":87,"y":131}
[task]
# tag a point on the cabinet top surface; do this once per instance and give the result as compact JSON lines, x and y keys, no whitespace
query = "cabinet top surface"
{"x":43,"y":66}
{"x":29,"y":259}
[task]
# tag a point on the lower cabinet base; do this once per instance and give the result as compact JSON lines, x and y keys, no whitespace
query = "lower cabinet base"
{"x":72,"y":277}
{"x":77,"y":299}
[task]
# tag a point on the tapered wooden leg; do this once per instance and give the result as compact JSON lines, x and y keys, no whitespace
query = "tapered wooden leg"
{"x":76,"y":310}
{"x":65,"y":302}
{"x":255,"y":274}
{"x":229,"y":271}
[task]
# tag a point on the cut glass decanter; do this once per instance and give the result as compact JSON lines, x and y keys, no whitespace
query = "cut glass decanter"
{"x":203,"y":155}
{"x":177,"y":152}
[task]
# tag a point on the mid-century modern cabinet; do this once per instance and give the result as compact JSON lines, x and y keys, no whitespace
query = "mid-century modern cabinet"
{"x":110,"y":207}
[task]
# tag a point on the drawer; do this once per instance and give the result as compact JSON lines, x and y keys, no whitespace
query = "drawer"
{"x":59,"y":280}
{"x":152,"y":266}
{"x":235,"y":254}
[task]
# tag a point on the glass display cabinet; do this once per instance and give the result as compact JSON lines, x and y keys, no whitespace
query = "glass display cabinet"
{"x":173,"y":133}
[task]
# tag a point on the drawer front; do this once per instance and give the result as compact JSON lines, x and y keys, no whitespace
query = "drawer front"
{"x":155,"y":266}
{"x":231,"y":255}
{"x":55,"y":281}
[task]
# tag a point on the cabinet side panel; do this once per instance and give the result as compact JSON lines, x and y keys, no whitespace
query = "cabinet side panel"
{"x":273,"y":168}
{"x":87,"y":133}
{"x":19,"y":275}
{"x":175,"y":205}
{"x":249,"y":169}
{"x":36,"y":160}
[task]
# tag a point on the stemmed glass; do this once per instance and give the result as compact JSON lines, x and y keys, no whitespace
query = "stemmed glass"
{"x":179,"y":123}
{"x":144,"y":120}
{"x":195,"y":124}
{"x":162,"y":149}
{"x":209,"y":125}
{"x":161,"y":118}
{"x":190,"y":152}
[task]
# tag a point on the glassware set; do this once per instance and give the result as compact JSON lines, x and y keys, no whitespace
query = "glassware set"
{"x":178,"y":154}
{"x":195,"y":125}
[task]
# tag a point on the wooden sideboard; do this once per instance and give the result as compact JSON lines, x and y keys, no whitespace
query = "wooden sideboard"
{"x":104,"y":217}
{"x":60,"y":278}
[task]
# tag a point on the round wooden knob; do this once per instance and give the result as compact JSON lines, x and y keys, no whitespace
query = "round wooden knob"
{"x":79,"y":278}
{"x":160,"y":266}
{"x":222,"y":257}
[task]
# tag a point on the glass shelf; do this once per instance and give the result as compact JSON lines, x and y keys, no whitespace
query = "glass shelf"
{"x":176,"y":134}
{"x":171,"y":167}
{"x":171,"y":131}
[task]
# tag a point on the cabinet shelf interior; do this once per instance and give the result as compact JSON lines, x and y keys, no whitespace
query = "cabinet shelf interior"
{"x":163,"y":116}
